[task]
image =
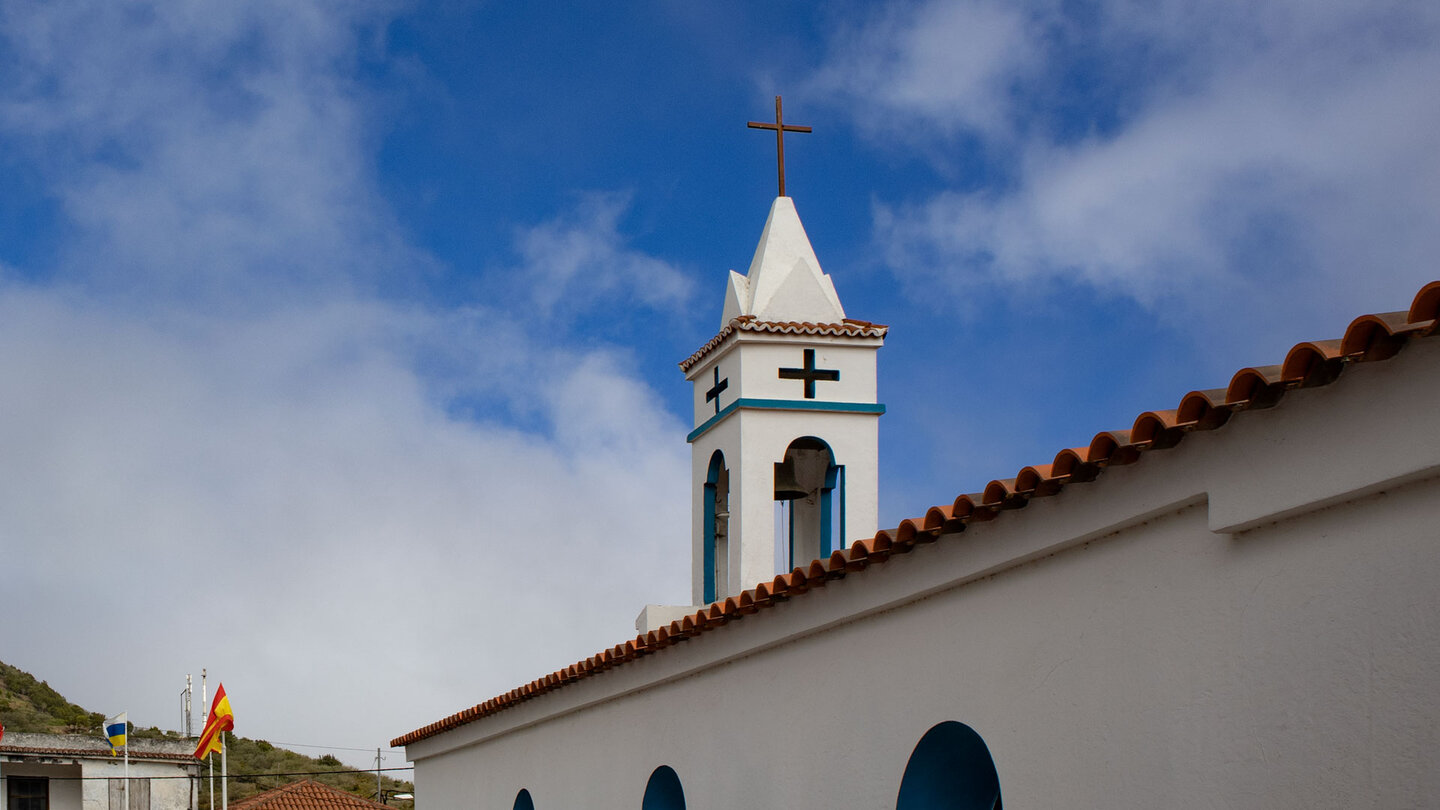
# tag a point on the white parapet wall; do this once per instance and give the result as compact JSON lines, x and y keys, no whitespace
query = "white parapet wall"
{"x":1247,"y":619}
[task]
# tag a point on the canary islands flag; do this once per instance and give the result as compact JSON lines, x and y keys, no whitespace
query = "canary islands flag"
{"x":221,"y":719}
{"x":115,"y":728}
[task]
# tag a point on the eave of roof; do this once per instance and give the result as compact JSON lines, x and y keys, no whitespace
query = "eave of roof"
{"x":1369,"y":338}
{"x":94,"y":753}
{"x":849,"y":327}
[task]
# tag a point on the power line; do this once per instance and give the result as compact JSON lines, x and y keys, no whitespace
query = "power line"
{"x":328,"y":747}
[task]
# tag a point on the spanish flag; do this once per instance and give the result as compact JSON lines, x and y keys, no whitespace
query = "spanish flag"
{"x":220,"y":719}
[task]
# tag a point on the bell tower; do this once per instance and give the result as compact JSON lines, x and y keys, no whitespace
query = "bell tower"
{"x":785,"y":440}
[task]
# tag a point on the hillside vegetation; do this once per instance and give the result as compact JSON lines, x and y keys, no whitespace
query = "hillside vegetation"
{"x":28,"y":705}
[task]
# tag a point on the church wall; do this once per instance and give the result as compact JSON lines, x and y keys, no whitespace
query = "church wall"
{"x":1110,"y":646}
{"x":1163,"y":666}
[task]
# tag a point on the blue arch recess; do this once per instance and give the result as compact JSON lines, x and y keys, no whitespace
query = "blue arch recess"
{"x":834,"y":480}
{"x":950,"y":769}
{"x":712,"y":479}
{"x":663,"y":791}
{"x":523,"y":800}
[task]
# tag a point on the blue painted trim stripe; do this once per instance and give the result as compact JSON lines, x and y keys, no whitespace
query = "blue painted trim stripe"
{"x":784,"y":405}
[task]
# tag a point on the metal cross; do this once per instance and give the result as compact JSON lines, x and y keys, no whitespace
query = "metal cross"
{"x":714,"y":393}
{"x":810,"y":374}
{"x":780,"y":128}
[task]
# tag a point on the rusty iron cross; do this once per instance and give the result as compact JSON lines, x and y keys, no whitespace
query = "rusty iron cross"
{"x":780,"y":128}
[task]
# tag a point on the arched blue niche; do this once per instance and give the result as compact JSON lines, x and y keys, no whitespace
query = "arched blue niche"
{"x":811,"y":531}
{"x":716,"y":499}
{"x":663,"y":791}
{"x":523,"y":800}
{"x":950,"y":769}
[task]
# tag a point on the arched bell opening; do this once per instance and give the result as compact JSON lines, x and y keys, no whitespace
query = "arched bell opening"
{"x":663,"y":791}
{"x":716,"y":501}
{"x":523,"y":800}
{"x":950,"y":769}
{"x":809,"y":503}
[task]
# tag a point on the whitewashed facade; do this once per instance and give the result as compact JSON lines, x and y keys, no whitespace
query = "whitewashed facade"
{"x":1237,"y":608}
{"x":77,"y":772}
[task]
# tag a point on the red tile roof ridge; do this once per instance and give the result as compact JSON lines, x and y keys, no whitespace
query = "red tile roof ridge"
{"x":1369,"y":338}
{"x":849,"y":327}
{"x":305,"y":794}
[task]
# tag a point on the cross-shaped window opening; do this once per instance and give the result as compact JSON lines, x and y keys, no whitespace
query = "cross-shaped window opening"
{"x":810,"y":374}
{"x":713,"y":395}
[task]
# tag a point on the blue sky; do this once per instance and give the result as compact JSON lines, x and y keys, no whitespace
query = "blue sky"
{"x":338,"y":340}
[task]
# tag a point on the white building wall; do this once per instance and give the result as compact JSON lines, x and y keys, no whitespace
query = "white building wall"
{"x":1111,"y":646}
{"x":1277,"y":669}
{"x":65,"y":784}
{"x":80,"y":768}
{"x":166,"y":792}
{"x":84,"y":783}
{"x":752,"y":441}
{"x":752,"y":367}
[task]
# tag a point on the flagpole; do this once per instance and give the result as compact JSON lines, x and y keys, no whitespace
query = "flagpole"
{"x":205,"y":711}
{"x":127,"y":768}
{"x":224,"y":775}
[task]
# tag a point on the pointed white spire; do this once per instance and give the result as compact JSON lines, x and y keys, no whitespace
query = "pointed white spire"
{"x":785,"y":282}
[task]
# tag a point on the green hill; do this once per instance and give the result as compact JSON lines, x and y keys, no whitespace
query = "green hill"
{"x":31,"y":706}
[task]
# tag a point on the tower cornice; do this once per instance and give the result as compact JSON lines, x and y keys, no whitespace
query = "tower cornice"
{"x":848,"y":328}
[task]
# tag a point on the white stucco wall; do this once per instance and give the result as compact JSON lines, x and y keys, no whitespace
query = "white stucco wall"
{"x":166,"y":791}
{"x":80,"y":769}
{"x":753,"y":439}
{"x":1247,"y":620}
{"x":65,"y":784}
{"x":750,"y":362}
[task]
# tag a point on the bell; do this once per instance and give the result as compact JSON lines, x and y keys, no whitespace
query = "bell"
{"x":787,"y":487}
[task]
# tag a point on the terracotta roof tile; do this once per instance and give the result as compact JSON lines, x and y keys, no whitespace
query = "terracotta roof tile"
{"x":306,"y":794}
{"x":1426,"y":306}
{"x":1369,"y":338}
{"x":164,"y":756}
{"x":747,"y":323}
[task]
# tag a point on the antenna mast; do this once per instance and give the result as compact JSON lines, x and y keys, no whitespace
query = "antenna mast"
{"x":185,"y":705}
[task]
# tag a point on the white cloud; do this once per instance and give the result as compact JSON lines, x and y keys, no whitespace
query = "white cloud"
{"x":224,"y":449}
{"x":1259,"y":157}
{"x":267,"y":497}
{"x":202,"y":149}
{"x":578,"y":260}
{"x":912,"y":67}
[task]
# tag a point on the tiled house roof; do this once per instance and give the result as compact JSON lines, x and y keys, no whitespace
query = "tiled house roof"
{"x":747,"y":323}
{"x":1369,"y":338}
{"x":20,"y":750}
{"x":307,"y":794}
{"x":89,"y":746}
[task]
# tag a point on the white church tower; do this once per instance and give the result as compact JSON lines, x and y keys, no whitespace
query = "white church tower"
{"x":785,"y":441}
